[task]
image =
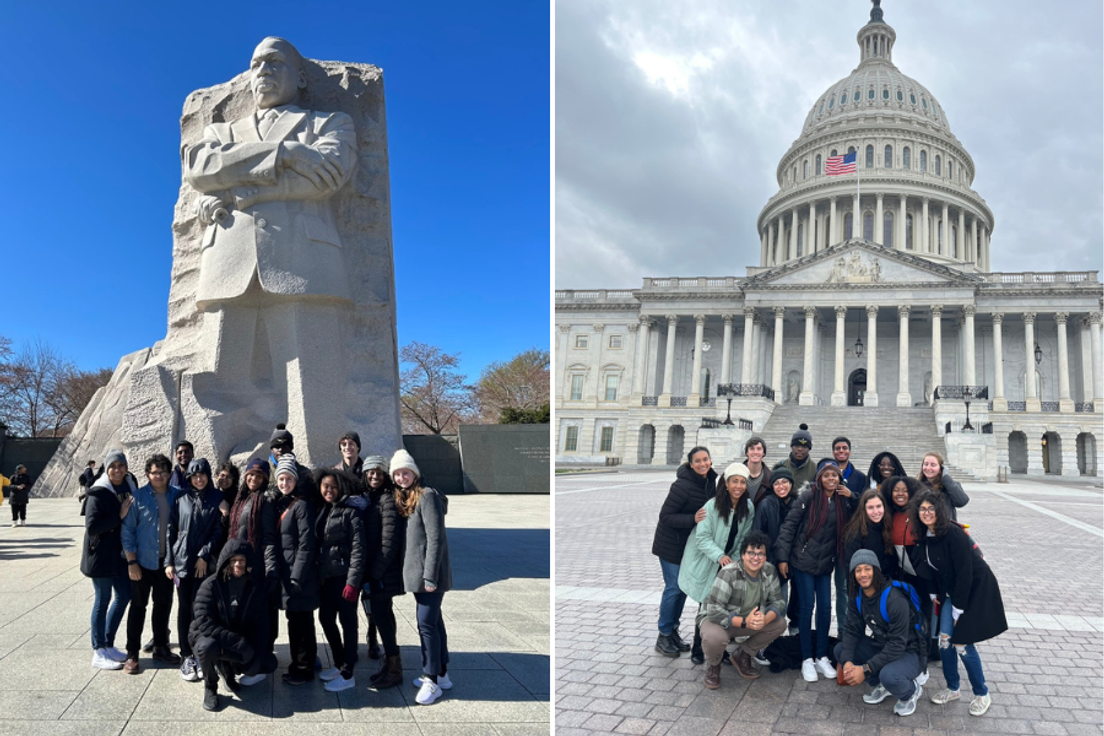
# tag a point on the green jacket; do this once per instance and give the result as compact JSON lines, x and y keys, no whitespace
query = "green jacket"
{"x":730,"y":595}
{"x":705,"y":548}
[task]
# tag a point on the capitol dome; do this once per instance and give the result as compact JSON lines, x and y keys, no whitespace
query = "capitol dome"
{"x":915,"y":176}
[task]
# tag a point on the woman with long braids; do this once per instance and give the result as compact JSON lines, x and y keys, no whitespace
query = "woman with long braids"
{"x":716,"y":540}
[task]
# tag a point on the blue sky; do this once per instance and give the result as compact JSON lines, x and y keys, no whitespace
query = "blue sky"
{"x":94,"y":93}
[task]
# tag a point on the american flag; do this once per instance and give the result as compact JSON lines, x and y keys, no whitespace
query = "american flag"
{"x":836,"y":165}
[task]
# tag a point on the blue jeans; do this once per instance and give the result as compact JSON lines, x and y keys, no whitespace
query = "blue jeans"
{"x":970,"y":657}
{"x":431,"y":631}
{"x":670,"y":605}
{"x":898,"y":677}
{"x":812,"y":588}
{"x":106,"y":619}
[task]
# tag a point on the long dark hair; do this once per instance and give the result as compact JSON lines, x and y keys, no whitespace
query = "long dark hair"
{"x":943,"y":521}
{"x":817,"y":514}
{"x":858,"y":526}
{"x":853,"y":588}
{"x":694,"y":451}
{"x":252,"y":529}
{"x":235,"y":480}
{"x":873,"y":474}
{"x":722,"y":502}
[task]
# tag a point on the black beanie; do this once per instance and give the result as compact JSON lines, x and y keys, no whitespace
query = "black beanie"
{"x":802,"y":437}
{"x":350,"y":436}
{"x":282,"y":438}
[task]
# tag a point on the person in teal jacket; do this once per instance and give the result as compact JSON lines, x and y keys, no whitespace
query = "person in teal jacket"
{"x":728,"y":519}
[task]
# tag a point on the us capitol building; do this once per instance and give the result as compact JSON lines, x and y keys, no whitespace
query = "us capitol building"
{"x":875,"y":317}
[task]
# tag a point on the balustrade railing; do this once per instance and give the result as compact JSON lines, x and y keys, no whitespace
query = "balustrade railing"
{"x":744,"y":424}
{"x":1049,"y":406}
{"x":754,"y":390}
{"x":710,"y":401}
{"x":678,"y":401}
{"x":1082,"y":407}
{"x":649,"y":401}
{"x":1017,"y":406}
{"x":974,"y":393}
{"x":960,"y":428}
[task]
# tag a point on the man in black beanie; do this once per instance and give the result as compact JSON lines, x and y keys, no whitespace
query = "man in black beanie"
{"x":349,"y":445}
{"x":798,"y":462}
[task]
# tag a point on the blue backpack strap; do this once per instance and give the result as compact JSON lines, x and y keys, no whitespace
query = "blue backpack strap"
{"x":858,"y":603}
{"x":885,"y":597}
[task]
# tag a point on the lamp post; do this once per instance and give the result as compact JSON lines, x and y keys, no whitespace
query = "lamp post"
{"x":966,"y":394}
{"x":727,"y":391}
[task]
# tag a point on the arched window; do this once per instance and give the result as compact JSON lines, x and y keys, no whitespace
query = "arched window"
{"x":843,"y":99}
{"x":794,"y":180}
{"x":834,"y":153}
{"x":870,"y":157}
{"x":889,"y":157}
{"x":858,"y":94}
{"x":950,"y":174}
{"x":906,"y":158}
{"x":887,"y":230}
{"x":868,"y":225}
{"x":800,"y":239}
{"x":938,"y":165}
{"x":870,"y":94}
{"x":850,"y":149}
{"x":818,"y":164}
{"x":847,"y":226}
{"x":908,"y":232}
{"x":924,"y":161}
{"x":805,"y":169}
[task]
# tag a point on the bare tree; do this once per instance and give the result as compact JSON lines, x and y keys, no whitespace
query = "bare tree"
{"x":521,"y":383}
{"x":41,"y":392}
{"x":435,"y":399}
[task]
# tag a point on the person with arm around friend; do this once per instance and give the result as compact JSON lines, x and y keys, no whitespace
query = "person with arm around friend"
{"x":298,"y":570}
{"x":932,"y":476}
{"x":385,"y":541}
{"x":770,"y":513}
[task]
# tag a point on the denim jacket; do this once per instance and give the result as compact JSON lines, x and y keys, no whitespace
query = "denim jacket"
{"x":140,"y":533}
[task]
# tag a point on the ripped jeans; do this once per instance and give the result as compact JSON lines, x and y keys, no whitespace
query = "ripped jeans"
{"x":968,"y":652}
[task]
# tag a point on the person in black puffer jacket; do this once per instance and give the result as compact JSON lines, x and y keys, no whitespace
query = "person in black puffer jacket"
{"x":229,"y":633}
{"x":871,"y":527}
{"x":298,"y":571}
{"x":20,"y":489}
{"x":385,"y":540}
{"x":770,"y":513}
{"x":339,"y":530}
{"x":695,"y":483}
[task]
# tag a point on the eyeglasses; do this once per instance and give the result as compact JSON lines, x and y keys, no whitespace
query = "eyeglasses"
{"x":753,"y":555}
{"x":926,"y":510}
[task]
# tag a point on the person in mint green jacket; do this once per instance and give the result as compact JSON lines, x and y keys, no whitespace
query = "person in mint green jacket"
{"x":716,"y":539}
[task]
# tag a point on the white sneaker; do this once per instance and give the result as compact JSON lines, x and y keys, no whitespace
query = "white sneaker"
{"x":908,"y":707}
{"x":247,"y":680}
{"x":102,"y":662}
{"x":980,"y":704}
{"x":15,"y":524}
{"x":808,"y":670}
{"x":22,"y":522}
{"x":824,"y":667}
{"x":330,"y":674}
{"x":339,"y":683}
{"x":793,"y":631}
{"x":761,"y":659}
{"x":428,"y":693}
{"x":115,"y":653}
{"x":945,"y":696}
{"x":443,"y":682}
{"x":922,"y":678}
{"x":876,"y":695}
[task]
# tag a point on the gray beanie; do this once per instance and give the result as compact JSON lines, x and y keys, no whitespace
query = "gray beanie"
{"x":286,"y":464}
{"x":403,"y":459}
{"x":864,"y":557}
{"x":115,"y":456}
{"x":374,"y":461}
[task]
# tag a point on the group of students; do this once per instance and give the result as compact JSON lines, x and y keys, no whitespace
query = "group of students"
{"x":757,"y":545}
{"x":285,"y":538}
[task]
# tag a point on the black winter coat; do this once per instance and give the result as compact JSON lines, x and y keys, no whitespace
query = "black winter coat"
{"x":17,"y":495}
{"x":816,"y":556}
{"x":894,"y":637}
{"x":298,"y":553}
{"x":873,"y":541}
{"x":385,"y":543}
{"x":769,"y":515}
{"x":264,"y":562}
{"x":688,"y":493}
{"x":953,"y":494}
{"x":339,"y":530}
{"x":102,"y":555}
{"x":954,"y":569}
{"x":240,"y":629}
{"x":195,"y":530}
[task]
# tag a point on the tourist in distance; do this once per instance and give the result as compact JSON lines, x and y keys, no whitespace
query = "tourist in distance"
{"x":809,"y":543}
{"x":87,"y":478}
{"x":20,"y":490}
{"x":870,"y":527}
{"x":349,"y":446}
{"x":229,"y":633}
{"x":146,"y":546}
{"x":884,"y":466}
{"x":253,"y":520}
{"x":339,"y":531}
{"x":109,"y":502}
{"x":798,"y":462}
{"x":970,"y":605}
{"x":682,"y":509}
{"x":932,"y":476}
{"x":427,"y":572}
{"x":892,"y":657}
{"x":385,"y":535}
{"x":195,"y":530}
{"x":729,"y":517}
{"x":744,"y":604}
{"x":759,"y":482}
{"x":298,"y":571}
{"x":183,"y":453}
{"x":770,"y":513}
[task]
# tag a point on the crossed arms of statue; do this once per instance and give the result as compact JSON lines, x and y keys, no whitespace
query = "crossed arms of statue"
{"x":239,"y":174}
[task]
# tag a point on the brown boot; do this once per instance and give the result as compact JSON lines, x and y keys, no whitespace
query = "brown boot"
{"x":745,"y":666}
{"x":712,"y":678}
{"x":394,"y":674}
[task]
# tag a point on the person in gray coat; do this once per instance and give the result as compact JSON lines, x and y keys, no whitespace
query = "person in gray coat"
{"x":426,"y":570}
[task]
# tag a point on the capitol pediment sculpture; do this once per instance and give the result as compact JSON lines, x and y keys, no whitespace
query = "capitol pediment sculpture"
{"x":855,"y":270}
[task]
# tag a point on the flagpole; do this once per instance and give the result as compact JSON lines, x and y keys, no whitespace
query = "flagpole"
{"x":858,"y":197}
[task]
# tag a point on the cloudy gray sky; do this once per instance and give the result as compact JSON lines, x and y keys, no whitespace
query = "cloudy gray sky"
{"x":671,"y":118}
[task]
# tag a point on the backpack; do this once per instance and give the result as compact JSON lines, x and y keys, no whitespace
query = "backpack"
{"x":912,"y":597}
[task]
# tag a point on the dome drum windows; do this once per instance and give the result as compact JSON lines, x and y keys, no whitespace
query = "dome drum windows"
{"x":938,"y":165}
{"x":831,"y":103}
{"x":805,"y":169}
{"x":818,"y":164}
{"x":870,"y":94}
{"x":906,"y":159}
{"x":912,"y":98}
{"x":889,"y":157}
{"x":950,"y":175}
{"x":887,"y":229}
{"x":885,"y":93}
{"x":924,"y":162}
{"x":858,"y":95}
{"x":900,"y":96}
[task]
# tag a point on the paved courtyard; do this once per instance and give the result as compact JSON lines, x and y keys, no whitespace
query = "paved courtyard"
{"x":497,"y":617}
{"x":1043,"y":539}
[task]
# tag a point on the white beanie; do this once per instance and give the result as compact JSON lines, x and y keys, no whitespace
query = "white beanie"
{"x":402,"y":459}
{"x":737,"y":469}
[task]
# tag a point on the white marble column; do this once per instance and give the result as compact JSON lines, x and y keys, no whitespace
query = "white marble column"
{"x":999,"y":402}
{"x":985,"y":248}
{"x":745,"y":363}
{"x":1029,"y":374}
{"x":756,"y":339}
{"x":726,"y":349}
{"x":970,"y":379}
{"x":870,"y":398}
{"x":776,"y":365}
{"x":763,"y":246}
{"x":1065,"y":401}
{"x":810,"y":230}
{"x":925,"y":237}
{"x":902,"y":220}
{"x":974,"y":241}
{"x":695,"y":377}
{"x":772,"y":243}
{"x":839,"y":396}
{"x":937,"y":348}
{"x":879,"y":225}
{"x":640,"y":364}
{"x":782,"y":241}
{"x":831,"y":239}
{"x":904,"y":398}
{"x":806,"y":398}
{"x":946,"y":229}
{"x":960,"y":240}
{"x":1098,"y":369}
{"x":793,"y":236}
{"x":669,"y":362}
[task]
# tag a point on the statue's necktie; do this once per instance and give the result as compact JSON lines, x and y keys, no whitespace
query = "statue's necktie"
{"x":267,"y":121}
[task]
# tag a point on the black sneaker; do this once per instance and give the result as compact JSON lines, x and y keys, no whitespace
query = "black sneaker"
{"x":163,"y":654}
{"x":148,"y":646}
{"x":682,"y":646}
{"x":666,"y":646}
{"x":210,"y":699}
{"x":295,"y":679}
{"x":228,"y":677}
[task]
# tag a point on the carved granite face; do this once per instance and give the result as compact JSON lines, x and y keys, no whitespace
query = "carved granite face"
{"x":274,"y":74}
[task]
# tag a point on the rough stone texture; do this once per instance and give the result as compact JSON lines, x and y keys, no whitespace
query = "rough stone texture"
{"x":171,"y":391}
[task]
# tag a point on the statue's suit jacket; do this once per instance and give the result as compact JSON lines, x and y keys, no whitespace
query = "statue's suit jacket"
{"x":280,"y":225}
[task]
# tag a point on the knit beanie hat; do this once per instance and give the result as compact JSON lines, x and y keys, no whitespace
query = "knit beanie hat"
{"x":802,"y":437}
{"x":864,"y":557}
{"x":259,"y":466}
{"x":282,"y":439}
{"x":286,"y":464}
{"x":375,"y":461}
{"x":781,"y":473}
{"x":826,"y":464}
{"x":199,"y":465}
{"x":350,"y":436}
{"x":403,"y":459}
{"x":737,"y":469}
{"x":114,"y":456}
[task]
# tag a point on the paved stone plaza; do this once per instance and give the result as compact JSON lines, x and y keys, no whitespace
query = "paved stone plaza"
{"x":1041,"y":537}
{"x":498,"y":625}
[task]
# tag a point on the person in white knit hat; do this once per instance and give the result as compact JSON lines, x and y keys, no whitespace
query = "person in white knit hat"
{"x":426,"y":570}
